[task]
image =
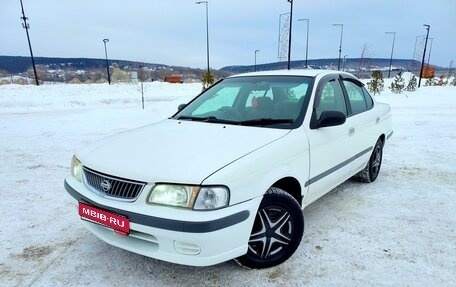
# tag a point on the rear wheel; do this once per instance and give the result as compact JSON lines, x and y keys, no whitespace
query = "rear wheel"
{"x":372,"y":169}
{"x":277,"y":231}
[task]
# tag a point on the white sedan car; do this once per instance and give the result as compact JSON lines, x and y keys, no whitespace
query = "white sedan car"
{"x":228,"y":175}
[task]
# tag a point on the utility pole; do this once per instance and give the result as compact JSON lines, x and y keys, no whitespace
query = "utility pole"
{"x":26,"y":26}
{"x":289,"y":35}
{"x":340,"y":45}
{"x":107,"y":62}
{"x":207,"y":34}
{"x":256,"y":51}
{"x":392,"y":50}
{"x":424,"y":53}
{"x":449,"y":69}
{"x":345,"y":60}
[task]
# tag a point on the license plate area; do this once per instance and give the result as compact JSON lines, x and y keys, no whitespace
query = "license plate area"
{"x":119,"y":223}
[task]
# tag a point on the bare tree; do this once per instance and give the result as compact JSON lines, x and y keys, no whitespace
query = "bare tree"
{"x":142,"y":75}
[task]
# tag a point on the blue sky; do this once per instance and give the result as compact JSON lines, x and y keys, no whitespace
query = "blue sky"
{"x":174,"y":32}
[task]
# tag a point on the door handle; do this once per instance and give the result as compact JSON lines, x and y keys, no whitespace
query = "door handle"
{"x":351,"y":131}
{"x":377,"y":120}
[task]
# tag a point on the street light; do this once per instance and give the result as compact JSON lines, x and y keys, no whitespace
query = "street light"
{"x":345,"y":59}
{"x":207,"y":33}
{"x":340,"y":45}
{"x":26,"y":26}
{"x":449,"y":69}
{"x":392,"y":49}
{"x":307,"y":37}
{"x":107,"y":63}
{"x":256,"y":51}
{"x":424,"y":53}
{"x":289,"y":35}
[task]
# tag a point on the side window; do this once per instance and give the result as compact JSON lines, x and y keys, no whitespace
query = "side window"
{"x":369,"y":101}
{"x":356,"y":97}
{"x":331,"y":99}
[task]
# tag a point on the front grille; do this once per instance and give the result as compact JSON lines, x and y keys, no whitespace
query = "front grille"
{"x":115,"y":187}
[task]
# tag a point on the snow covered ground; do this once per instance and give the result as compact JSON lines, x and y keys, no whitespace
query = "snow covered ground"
{"x":397,"y":231}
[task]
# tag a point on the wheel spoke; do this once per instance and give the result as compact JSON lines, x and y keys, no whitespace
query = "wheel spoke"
{"x":281,"y":237}
{"x":260,"y":236}
{"x":375,"y":161}
{"x":272,"y":234}
{"x":262,"y":232}
{"x":375,"y":164}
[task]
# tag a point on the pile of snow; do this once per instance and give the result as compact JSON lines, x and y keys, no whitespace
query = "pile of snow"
{"x":17,"y":98}
{"x":398,"y":231}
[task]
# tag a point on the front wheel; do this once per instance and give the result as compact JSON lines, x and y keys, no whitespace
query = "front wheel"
{"x":277,"y":231}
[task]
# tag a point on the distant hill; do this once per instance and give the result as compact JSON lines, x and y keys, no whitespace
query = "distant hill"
{"x":16,"y":64}
{"x":352,"y":65}
{"x":94,"y":70}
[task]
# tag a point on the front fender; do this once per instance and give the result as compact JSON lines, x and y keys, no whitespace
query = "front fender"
{"x":251,"y":176}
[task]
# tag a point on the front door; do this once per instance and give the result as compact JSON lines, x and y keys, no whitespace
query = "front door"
{"x":329,"y":146}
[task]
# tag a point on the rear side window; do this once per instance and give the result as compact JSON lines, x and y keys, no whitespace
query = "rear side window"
{"x":356,"y":97}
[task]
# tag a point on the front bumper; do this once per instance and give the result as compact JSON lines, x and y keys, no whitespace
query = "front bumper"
{"x":196,"y":238}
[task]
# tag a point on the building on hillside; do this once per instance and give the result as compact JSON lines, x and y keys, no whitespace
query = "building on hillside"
{"x":173,"y":79}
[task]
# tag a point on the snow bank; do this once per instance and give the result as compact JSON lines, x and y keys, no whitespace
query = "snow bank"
{"x":397,"y":231}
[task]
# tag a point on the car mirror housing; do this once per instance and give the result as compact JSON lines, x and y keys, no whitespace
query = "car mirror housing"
{"x":180,"y":107}
{"x":330,"y":119}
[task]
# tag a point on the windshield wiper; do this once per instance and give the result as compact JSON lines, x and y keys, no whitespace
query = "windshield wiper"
{"x":196,"y":119}
{"x":266,"y":121}
{"x":210,"y":119}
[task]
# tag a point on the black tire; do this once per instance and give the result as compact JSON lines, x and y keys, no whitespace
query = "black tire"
{"x":276,"y":232}
{"x":372,"y":169}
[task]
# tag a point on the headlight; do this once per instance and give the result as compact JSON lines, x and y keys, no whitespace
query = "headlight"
{"x":76,"y":168}
{"x":190,"y":196}
{"x":173,"y":194}
{"x":212,"y":198}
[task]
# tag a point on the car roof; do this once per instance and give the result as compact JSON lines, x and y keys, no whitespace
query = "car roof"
{"x":305,"y":73}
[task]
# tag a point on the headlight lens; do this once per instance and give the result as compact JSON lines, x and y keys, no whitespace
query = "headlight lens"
{"x":76,"y":168}
{"x":174,"y":195}
{"x":190,"y":196}
{"x":212,"y":198}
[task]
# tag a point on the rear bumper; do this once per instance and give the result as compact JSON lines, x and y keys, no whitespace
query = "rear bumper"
{"x":196,"y":238}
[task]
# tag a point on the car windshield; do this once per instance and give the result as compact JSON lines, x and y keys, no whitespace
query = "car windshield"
{"x":264,"y":101}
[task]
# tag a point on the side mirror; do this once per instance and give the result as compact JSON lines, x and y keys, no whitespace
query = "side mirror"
{"x":180,"y":107}
{"x":330,"y":119}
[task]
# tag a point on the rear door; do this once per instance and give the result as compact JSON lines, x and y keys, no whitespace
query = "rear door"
{"x":361,"y":121}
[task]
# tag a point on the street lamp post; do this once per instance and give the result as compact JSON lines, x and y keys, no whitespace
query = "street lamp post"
{"x":207,"y":33}
{"x":256,"y":51}
{"x":107,"y":63}
{"x":345,"y":60}
{"x":289,"y":35}
{"x":424,"y":53}
{"x":449,"y":69}
{"x":340,"y":45}
{"x":307,"y":38}
{"x":26,"y":27}
{"x":392,"y":49}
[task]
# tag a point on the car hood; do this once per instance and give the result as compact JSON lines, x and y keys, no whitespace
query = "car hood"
{"x":175,"y":151}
